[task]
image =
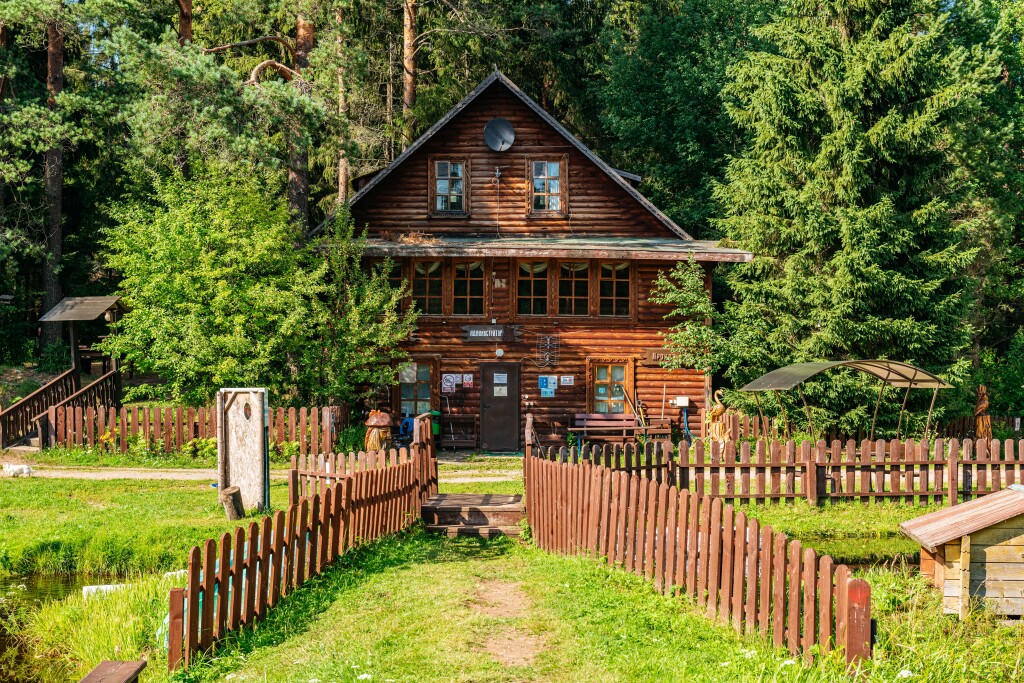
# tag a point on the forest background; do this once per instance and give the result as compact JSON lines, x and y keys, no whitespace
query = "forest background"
{"x":869,"y":153}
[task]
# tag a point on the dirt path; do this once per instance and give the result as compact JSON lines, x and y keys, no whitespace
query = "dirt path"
{"x":511,"y":645}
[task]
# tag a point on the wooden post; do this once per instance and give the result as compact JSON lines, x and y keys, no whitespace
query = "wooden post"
{"x":175,"y":629}
{"x":810,"y":478}
{"x":858,"y":622}
{"x":965,"y":576}
{"x":528,"y":437}
{"x":953,"y":473}
{"x":231,"y":499}
{"x":293,"y":486}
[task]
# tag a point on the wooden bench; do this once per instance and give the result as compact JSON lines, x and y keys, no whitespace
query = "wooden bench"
{"x":115,"y":672}
{"x":459,"y":431}
{"x":617,"y":428}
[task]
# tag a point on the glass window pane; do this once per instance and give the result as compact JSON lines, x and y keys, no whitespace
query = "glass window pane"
{"x":622,"y":308}
{"x":407,"y":407}
{"x":456,"y":203}
{"x":617,"y":391}
{"x":538,"y":169}
{"x":434,"y":307}
{"x":442,"y":169}
{"x":476,"y":306}
{"x":601,"y":407}
{"x":554,"y":203}
{"x":602,"y":373}
{"x":476,"y":287}
{"x":423,"y":390}
{"x":552,"y":169}
{"x":407,"y":390}
{"x":617,"y":407}
{"x":455,"y":187}
{"x":538,"y":186}
{"x":423,"y":372}
{"x":442,"y":202}
{"x":422,"y":407}
{"x":618,"y":373}
{"x":455,"y":170}
{"x":523,"y":307}
{"x":601,"y":390}
{"x":538,"y":202}
{"x":442,"y":187}
{"x":459,"y":307}
{"x":553,"y":186}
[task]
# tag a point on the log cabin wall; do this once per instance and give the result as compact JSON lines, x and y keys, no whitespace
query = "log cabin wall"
{"x":497,"y":204}
{"x":596,"y":205}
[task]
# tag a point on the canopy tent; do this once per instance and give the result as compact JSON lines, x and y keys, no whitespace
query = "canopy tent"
{"x":891,"y":372}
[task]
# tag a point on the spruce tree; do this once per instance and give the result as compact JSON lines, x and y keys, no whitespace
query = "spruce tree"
{"x":854,"y":190}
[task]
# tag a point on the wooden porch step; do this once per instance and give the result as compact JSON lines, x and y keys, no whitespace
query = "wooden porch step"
{"x":454,"y":530}
{"x":473,"y":510}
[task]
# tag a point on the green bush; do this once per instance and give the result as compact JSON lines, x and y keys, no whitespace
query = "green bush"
{"x":56,"y":359}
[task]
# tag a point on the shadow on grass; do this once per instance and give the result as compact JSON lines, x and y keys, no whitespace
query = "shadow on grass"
{"x":297,"y":613}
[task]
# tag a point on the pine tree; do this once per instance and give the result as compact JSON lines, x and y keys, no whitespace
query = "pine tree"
{"x":854,"y":190}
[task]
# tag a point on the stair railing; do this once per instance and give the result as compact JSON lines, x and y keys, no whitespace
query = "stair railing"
{"x":103,"y":393}
{"x":16,"y":422}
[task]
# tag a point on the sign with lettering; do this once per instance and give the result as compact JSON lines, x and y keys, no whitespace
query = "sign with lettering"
{"x":655,"y":356}
{"x":492,"y":333}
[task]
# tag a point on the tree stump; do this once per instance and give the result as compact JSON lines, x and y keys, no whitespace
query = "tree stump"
{"x":231,"y":499}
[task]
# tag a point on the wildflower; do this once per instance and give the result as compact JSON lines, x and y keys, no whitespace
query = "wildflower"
{"x":749,"y":654}
{"x":905,"y":673}
{"x":363,"y":677}
{"x":789,"y":662}
{"x":725,"y":664}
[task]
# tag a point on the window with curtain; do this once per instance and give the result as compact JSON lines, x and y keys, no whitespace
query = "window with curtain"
{"x":427,"y":287}
{"x":414,"y":389}
{"x":573,"y":288}
{"x":547,"y":185}
{"x":609,"y":390}
{"x":532,"y":290}
{"x":468,"y":288}
{"x":613,"y":289}
{"x":449,"y":187}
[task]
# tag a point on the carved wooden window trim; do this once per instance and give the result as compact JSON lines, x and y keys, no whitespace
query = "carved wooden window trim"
{"x":434,"y":383}
{"x":432,"y":194}
{"x":628,"y":384}
{"x":563,"y":186}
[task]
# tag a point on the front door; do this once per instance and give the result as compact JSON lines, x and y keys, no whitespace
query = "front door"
{"x":499,"y":406}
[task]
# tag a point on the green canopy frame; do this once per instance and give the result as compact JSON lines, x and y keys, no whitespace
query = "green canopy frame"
{"x":892,"y":373}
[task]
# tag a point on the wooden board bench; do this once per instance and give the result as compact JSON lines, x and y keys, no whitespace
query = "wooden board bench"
{"x":115,"y":672}
{"x":617,"y":428}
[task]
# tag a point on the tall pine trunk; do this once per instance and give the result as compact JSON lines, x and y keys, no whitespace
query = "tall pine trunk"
{"x":3,"y":92}
{"x":184,"y":21}
{"x":342,"y":114}
{"x":54,"y":183}
{"x":298,"y":155}
{"x":408,"y":70}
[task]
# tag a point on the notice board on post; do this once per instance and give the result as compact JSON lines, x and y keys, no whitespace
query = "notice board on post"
{"x":243,"y":454}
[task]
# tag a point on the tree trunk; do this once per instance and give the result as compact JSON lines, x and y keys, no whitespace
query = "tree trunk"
{"x":298,"y":155}
{"x":3,"y":91}
{"x":342,"y":114}
{"x":408,"y":71}
{"x":184,"y":21}
{"x":54,"y":182}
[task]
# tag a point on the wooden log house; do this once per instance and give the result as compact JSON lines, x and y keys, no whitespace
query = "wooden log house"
{"x":531,"y":261}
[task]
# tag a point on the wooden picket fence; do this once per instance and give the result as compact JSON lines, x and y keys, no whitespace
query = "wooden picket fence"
{"x":313,"y":474}
{"x":910,"y":472}
{"x":753,"y":578}
{"x":747,"y":427}
{"x":233,"y":582}
{"x":170,"y":428}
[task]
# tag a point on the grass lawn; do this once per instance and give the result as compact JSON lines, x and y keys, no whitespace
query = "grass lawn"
{"x":119,"y":526}
{"x":201,"y":454}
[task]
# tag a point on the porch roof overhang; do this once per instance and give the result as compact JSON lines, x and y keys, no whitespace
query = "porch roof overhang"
{"x":80,"y":308}
{"x":893,"y":373}
{"x":639,"y":248}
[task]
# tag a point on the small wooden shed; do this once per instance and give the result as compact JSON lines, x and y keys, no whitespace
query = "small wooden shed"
{"x":975,"y":550}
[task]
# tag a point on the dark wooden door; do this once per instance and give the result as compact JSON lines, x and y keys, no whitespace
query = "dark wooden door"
{"x":499,"y":406}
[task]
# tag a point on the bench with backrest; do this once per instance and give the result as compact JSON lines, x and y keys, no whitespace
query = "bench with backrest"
{"x":617,"y":428}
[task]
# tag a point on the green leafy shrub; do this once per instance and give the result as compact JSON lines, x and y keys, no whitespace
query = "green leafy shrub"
{"x":56,"y":358}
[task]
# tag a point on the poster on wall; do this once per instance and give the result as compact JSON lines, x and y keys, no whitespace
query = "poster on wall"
{"x":448,"y":382}
{"x":467,"y":380}
{"x":500,"y":378}
{"x":500,"y":390}
{"x":547,"y":392}
{"x":568,"y":380}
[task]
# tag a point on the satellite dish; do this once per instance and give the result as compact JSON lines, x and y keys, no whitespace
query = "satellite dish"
{"x":499,"y":134}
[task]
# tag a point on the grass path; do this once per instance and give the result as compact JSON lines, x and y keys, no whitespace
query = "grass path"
{"x":427,"y":608}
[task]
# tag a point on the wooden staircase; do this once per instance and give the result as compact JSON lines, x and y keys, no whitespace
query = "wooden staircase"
{"x":484,"y":515}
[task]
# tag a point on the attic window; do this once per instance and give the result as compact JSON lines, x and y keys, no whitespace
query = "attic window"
{"x":546,"y":189}
{"x":449,"y":186}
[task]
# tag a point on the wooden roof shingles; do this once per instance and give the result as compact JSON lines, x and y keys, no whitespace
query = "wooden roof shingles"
{"x":942,"y":526}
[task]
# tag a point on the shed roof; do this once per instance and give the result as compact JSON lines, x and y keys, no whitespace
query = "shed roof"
{"x":79,"y":308}
{"x":894,"y":373}
{"x":618,"y":177}
{"x":940,"y":527}
{"x":648,"y":248}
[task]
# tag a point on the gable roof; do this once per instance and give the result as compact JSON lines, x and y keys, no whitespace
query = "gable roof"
{"x":498,"y":77}
{"x":942,"y":526}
